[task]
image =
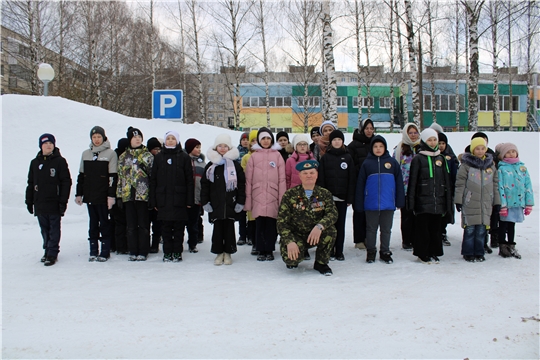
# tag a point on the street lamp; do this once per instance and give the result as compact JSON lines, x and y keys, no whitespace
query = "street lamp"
{"x":45,"y":73}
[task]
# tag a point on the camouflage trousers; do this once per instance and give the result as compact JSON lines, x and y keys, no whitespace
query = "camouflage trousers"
{"x":324,"y":247}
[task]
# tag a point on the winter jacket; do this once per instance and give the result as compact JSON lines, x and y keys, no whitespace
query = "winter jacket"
{"x":359,"y":148}
{"x":291,"y":174}
{"x":49,"y":184}
{"x":198,"y":165}
{"x":380,"y":183}
{"x":337,"y":174}
{"x":429,"y":183}
{"x":452,"y":162}
{"x":134,"y":170}
{"x":477,"y":189}
{"x":223,"y":202}
{"x":286,"y":152}
{"x":298,"y":214}
{"x":241,"y":151}
{"x":514,"y":185}
{"x":98,"y":177}
{"x":265,"y":181}
{"x":171,"y":184}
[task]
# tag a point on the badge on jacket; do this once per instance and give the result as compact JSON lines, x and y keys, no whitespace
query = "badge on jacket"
{"x":272,"y":164}
{"x":169,"y":161}
{"x":344,"y":165}
{"x":387,"y":165}
{"x":40,"y":166}
{"x":438,"y":163}
{"x":53,"y":172}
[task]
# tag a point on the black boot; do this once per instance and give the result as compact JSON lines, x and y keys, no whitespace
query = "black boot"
{"x":494,"y":240}
{"x":51,"y":260}
{"x":504,"y":250}
{"x":371,"y":255}
{"x":386,"y":257}
{"x":324,"y":269}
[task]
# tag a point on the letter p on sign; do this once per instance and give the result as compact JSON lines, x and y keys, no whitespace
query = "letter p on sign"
{"x":167,"y":104}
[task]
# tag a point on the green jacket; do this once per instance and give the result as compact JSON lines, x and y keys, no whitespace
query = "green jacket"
{"x":134,"y":169}
{"x":298,"y":214}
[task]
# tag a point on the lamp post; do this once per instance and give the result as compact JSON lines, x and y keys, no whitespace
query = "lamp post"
{"x":45,"y":73}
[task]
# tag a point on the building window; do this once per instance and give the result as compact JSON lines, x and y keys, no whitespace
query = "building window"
{"x":220,"y":116}
{"x":311,"y":101}
{"x":444,"y":102}
{"x":538,"y":104}
{"x":254,"y":101}
{"x":210,"y":116}
{"x":342,"y":101}
{"x":220,"y":124}
{"x":12,"y":82}
{"x":211,"y":106}
{"x":365,"y":102}
{"x":385,"y":102}
{"x":210,"y":98}
{"x":211,"y":79}
{"x":245,"y":101}
{"x":211,"y":90}
{"x":485,"y":103}
{"x":220,"y":98}
{"x":343,"y":79}
{"x":280,"y":101}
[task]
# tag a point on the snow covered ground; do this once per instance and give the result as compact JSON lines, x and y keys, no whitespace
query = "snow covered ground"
{"x":193,"y":309}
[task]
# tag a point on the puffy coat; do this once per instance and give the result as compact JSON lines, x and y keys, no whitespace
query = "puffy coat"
{"x":515,"y":186}
{"x":98,"y":177}
{"x":359,"y":148}
{"x":49,"y":184}
{"x":380,"y":183}
{"x":265,"y":181}
{"x":477,"y":189}
{"x":291,"y":173}
{"x":222,"y":201}
{"x":134,"y":170}
{"x":429,"y":183}
{"x":337,"y":174}
{"x":171,"y":184}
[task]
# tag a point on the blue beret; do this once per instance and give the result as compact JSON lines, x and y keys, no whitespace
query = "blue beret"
{"x":307,"y":165}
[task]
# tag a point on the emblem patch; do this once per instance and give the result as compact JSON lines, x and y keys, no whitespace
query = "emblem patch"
{"x":387,"y":165}
{"x":40,"y":166}
{"x":53,"y":172}
{"x":344,"y":165}
{"x":169,"y":161}
{"x":438,"y":163}
{"x":272,"y":164}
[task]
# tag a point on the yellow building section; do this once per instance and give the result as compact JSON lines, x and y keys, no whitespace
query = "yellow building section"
{"x":485,"y":118}
{"x":315,"y":119}
{"x":343,"y":120}
{"x":256,"y":118}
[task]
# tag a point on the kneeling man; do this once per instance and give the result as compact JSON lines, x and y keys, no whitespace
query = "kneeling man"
{"x":306,"y":219}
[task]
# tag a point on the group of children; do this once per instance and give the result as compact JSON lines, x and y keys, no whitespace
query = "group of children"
{"x":168,"y":185}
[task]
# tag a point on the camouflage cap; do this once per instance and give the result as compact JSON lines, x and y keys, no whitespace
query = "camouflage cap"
{"x":307,"y":165}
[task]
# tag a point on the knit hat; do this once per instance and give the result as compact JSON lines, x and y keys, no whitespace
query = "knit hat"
{"x":438,"y":128}
{"x":222,"y":139}
{"x":481,"y":135}
{"x":122,"y":144}
{"x":98,"y":130}
{"x":503,"y":148}
{"x":282,"y":134}
{"x":324,"y":124}
{"x":336,"y":134}
{"x":244,"y":136}
{"x":477,"y":141}
{"x":152,"y":143}
{"x":262,"y":133}
{"x":427,"y":133}
{"x":364,"y":123}
{"x":443,"y":138}
{"x":253,"y":135}
{"x":191,"y":144}
{"x":133,"y":132}
{"x":307,"y":165}
{"x":314,"y":130}
{"x":173,"y":133}
{"x":46,"y":137}
{"x":298,"y":139}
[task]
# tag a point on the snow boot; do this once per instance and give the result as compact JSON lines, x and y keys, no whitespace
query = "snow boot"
{"x":514,"y":252}
{"x":306,"y":255}
{"x":504,"y":250}
{"x":324,"y":269}
{"x":407,"y":247}
{"x":219,"y":259}
{"x":371,"y":255}
{"x":168,"y":257}
{"x":445,"y":241}
{"x":469,"y":258}
{"x":177,"y":257}
{"x":227,"y":260}
{"x":241,"y":242}
{"x":360,"y":245}
{"x":386,"y":257}
{"x":51,"y":260}
{"x":494,"y":240}
{"x":44,"y":257}
{"x":102,"y":258}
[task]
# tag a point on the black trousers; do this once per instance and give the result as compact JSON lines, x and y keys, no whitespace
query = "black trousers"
{"x":340,"y":226}
{"x":138,"y":224}
{"x":156,"y":226}
{"x":242,"y":225}
{"x":99,"y":230}
{"x":118,"y":229}
{"x":266,"y":228}
{"x":407,"y":226}
{"x":194,"y":213}
{"x":507,"y":228}
{"x":50,"y":231}
{"x":173,"y":236}
{"x":428,"y":239}
{"x":223,"y":237}
{"x":359,"y":226}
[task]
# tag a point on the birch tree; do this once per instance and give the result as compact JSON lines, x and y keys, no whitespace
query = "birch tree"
{"x":328,"y":48}
{"x":412,"y":64}
{"x":494,"y":19}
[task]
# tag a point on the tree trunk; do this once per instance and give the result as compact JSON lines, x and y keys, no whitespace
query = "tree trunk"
{"x":412,"y":63}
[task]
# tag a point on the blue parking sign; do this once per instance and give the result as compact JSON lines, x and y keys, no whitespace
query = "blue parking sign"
{"x":168,"y":104}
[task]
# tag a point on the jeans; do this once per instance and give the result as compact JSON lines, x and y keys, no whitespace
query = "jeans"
{"x":473,"y":240}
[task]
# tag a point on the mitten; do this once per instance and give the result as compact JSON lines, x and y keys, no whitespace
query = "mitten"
{"x":30,"y":208}
{"x":238,"y":208}
{"x":208,"y":208}
{"x":119,"y":203}
{"x":528,"y":210}
{"x":78,"y":200}
{"x":503,"y":212}
{"x":459,"y":207}
{"x":110,"y":202}
{"x":62,"y":208}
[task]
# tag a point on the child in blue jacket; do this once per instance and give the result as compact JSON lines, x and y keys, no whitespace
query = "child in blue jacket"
{"x":379,"y":192}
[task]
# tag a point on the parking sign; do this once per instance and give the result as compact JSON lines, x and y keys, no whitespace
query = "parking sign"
{"x":168,"y":104}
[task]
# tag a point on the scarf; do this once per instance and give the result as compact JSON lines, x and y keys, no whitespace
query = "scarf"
{"x":324,"y":141}
{"x":511,"y":160}
{"x":231,"y":179}
{"x":405,"y":140}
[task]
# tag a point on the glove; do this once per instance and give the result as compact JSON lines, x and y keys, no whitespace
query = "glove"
{"x":30,"y":208}
{"x":62,"y":208}
{"x":208,"y":208}
{"x":503,"y":212}
{"x":110,"y":202}
{"x":458,"y":207}
{"x":238,"y":208}
{"x":528,"y":210}
{"x":78,"y":200}
{"x":119,"y":203}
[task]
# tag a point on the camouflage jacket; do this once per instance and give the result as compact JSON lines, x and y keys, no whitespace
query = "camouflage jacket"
{"x":134,"y":169}
{"x":298,"y":214}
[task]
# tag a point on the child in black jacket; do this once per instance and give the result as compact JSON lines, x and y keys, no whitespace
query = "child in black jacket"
{"x":47,"y":194}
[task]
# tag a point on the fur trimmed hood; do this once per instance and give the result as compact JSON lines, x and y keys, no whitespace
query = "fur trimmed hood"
{"x":213,"y":156}
{"x":476,"y":162}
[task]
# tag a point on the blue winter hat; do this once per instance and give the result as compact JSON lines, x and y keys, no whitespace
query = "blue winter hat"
{"x":46,"y":137}
{"x":307,"y":165}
